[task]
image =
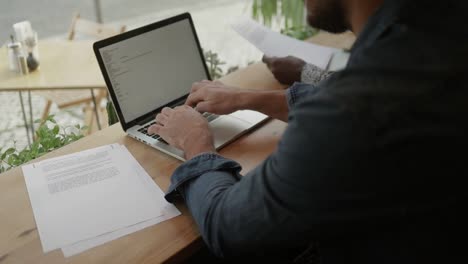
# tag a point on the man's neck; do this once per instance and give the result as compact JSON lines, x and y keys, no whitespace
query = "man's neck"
{"x":359,"y":13}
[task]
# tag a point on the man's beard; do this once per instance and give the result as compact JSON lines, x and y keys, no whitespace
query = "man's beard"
{"x":328,"y":15}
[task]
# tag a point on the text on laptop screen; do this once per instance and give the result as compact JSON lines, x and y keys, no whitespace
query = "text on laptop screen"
{"x":152,"y":69}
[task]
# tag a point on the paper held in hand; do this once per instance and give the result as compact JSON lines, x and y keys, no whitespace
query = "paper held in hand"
{"x":85,"y":199}
{"x":272,"y":43}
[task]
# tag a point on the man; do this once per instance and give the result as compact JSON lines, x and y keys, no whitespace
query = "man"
{"x":372,"y":164}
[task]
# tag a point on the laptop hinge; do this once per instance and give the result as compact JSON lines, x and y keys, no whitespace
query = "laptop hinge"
{"x":177,"y":103}
{"x":146,"y":120}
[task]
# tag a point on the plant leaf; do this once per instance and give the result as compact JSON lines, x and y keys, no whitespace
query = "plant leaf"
{"x":56,"y":129}
{"x":10,"y":151}
{"x":7,"y":153}
{"x":51,"y":118}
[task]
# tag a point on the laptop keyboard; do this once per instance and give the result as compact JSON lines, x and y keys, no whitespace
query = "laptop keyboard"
{"x":209,"y":117}
{"x":144,"y":130}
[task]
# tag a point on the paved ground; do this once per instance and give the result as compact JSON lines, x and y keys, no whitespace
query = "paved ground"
{"x":51,"y":18}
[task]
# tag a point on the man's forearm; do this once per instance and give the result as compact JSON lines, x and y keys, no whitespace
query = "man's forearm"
{"x":271,"y":103}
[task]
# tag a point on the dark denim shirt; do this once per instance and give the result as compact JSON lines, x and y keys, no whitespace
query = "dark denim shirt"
{"x":372,"y":164}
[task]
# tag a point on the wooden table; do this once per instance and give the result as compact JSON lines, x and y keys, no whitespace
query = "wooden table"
{"x":63,"y":65}
{"x":171,"y":241}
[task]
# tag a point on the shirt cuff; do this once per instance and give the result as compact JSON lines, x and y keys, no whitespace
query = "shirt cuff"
{"x":196,"y":167}
{"x":297,"y":92}
{"x":312,"y":74}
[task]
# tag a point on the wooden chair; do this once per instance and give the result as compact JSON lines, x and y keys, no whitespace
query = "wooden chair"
{"x":93,"y":29}
{"x":82,"y":28}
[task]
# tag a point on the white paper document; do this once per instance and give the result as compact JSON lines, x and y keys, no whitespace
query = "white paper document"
{"x":339,"y":61}
{"x":169,"y":211}
{"x":272,"y":43}
{"x":95,"y":195}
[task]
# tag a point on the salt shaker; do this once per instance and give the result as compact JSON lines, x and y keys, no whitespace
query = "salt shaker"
{"x":14,"y":51}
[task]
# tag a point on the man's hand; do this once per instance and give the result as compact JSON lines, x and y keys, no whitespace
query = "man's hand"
{"x":214,"y":97}
{"x":217,"y":98}
{"x":286,"y":70}
{"x":184,"y":128}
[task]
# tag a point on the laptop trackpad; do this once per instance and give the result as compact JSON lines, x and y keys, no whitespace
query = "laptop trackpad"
{"x":226,"y":128}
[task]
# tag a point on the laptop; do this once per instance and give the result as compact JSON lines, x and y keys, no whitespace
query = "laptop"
{"x":154,"y":66}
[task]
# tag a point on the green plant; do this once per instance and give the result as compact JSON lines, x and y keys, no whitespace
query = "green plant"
{"x":290,"y":14}
{"x":112,"y":117}
{"x":301,"y":33}
{"x":214,"y":62}
{"x":49,"y":136}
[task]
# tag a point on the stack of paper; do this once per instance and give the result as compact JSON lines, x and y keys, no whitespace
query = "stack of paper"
{"x":272,"y":43}
{"x":88,"y":198}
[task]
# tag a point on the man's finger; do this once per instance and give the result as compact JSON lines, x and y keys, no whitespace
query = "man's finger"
{"x":154,"y":129}
{"x":161,"y":119}
{"x":203,"y":107}
{"x":182,"y":108}
{"x":166,"y":111}
{"x":163,"y":132}
{"x":194,"y":98}
{"x":197,"y":85}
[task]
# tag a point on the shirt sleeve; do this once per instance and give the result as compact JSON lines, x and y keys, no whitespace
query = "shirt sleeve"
{"x":312,"y":74}
{"x":284,"y":202}
{"x":298,"y":92}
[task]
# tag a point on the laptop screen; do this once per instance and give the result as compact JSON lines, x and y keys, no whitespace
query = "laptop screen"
{"x":150,"y":70}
